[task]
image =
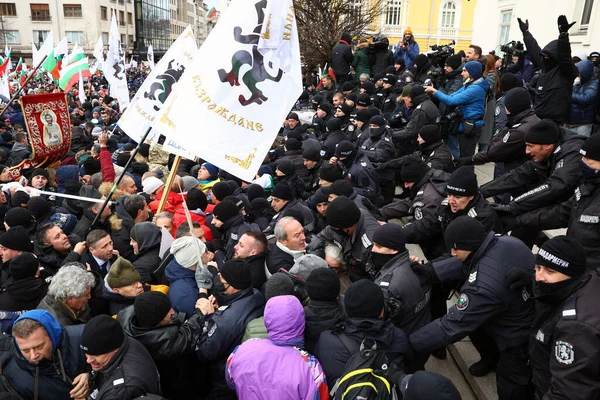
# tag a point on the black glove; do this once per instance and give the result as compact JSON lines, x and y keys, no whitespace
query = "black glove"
{"x":517,"y":278}
{"x":502,"y":209}
{"x":524,"y":26}
{"x":463,"y":161}
{"x":563,"y":24}
{"x":509,"y":223}
{"x":425,"y":272}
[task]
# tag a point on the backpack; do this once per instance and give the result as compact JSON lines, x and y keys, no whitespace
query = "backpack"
{"x":365,"y":373}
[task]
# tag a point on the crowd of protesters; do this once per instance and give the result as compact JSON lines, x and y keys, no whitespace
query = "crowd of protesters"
{"x":292,"y":285}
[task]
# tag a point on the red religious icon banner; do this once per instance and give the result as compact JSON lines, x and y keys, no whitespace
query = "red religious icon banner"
{"x":49,"y":126}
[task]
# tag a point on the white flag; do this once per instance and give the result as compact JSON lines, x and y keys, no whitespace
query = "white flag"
{"x":61,"y":48}
{"x":153,"y":93}
{"x":114,"y":70}
{"x":44,"y":51}
{"x":82,"y":97}
{"x":232,"y":100}
{"x":151,"y":57}
{"x":4,"y":87}
{"x":166,"y":240}
{"x":99,"y":53}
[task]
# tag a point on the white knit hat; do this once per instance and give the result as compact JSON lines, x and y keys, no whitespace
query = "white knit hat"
{"x":188,"y":251}
{"x":151,"y":184}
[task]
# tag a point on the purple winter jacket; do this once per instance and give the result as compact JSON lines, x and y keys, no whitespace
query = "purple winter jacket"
{"x":276,"y":368}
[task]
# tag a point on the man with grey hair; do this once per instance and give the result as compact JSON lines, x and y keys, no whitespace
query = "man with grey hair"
{"x":291,"y":244}
{"x":304,"y":265}
{"x":68,"y":295}
{"x":165,"y":219}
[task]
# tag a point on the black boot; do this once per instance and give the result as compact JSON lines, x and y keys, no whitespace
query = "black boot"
{"x":480,"y":368}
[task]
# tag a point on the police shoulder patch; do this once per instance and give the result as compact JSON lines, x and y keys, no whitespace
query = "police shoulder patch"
{"x":497,"y":111}
{"x":506,"y":137}
{"x":564,"y":352}
{"x":418,"y":213}
{"x":419,"y":106}
{"x":463,"y":302}
{"x":364,"y":164}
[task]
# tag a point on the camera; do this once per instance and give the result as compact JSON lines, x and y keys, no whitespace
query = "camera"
{"x":405,"y":43}
{"x":514,"y":48}
{"x":442,"y":50}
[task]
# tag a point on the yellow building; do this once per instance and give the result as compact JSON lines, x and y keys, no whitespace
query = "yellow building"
{"x":431,"y":21}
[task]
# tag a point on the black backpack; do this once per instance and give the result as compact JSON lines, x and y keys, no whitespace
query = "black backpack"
{"x":365,"y":373}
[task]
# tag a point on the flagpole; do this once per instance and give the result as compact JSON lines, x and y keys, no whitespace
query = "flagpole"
{"x":120,"y":178}
{"x":22,"y":86}
{"x":169,"y":183}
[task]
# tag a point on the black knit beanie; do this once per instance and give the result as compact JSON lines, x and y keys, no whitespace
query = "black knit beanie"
{"x":101,"y":335}
{"x":40,"y":171}
{"x":463,"y":182}
{"x":363,"y":299}
{"x":150,"y":308}
{"x":342,"y":213}
{"x":16,"y":238}
{"x":430,"y":134}
{"x":412,"y":169}
{"x":544,"y":132}
{"x":590,"y":148}
{"x":312,"y":154}
{"x":23,"y":266}
{"x":38,"y":207}
{"x":237,"y":273}
{"x":225,"y":210}
{"x":334,"y":124}
{"x":517,"y":100}
{"x":283,"y":191}
{"x":323,"y":284}
{"x":464,"y":233}
{"x":255,"y":191}
{"x":563,"y":254}
{"x":221,"y":190}
{"x":330,"y":173}
{"x":390,"y":236}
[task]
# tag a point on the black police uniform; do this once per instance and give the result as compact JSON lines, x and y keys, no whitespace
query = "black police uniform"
{"x":424,"y":113}
{"x":379,"y":150}
{"x":364,"y":178}
{"x":564,"y":346}
{"x":485,"y":302}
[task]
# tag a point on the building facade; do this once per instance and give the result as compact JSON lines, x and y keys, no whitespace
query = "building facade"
{"x":500,"y":24}
{"x":24,"y":22}
{"x":431,"y":21}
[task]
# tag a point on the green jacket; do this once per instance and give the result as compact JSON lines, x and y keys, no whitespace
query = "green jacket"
{"x":360,"y":63}
{"x":255,"y":329}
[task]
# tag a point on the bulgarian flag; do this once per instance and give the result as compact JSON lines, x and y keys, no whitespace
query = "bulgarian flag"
{"x":211,"y":13}
{"x":53,"y":63}
{"x":4,"y":63}
{"x":19,"y":65}
{"x":69,"y":75}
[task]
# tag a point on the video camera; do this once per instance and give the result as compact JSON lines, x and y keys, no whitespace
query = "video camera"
{"x":514,"y":48}
{"x":441,"y":51}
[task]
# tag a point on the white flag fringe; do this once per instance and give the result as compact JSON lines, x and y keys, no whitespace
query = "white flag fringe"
{"x":230,"y":103}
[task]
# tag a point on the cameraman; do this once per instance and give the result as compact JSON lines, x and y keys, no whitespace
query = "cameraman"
{"x":522,"y":68}
{"x":554,"y":86}
{"x":470,"y":99}
{"x":408,"y":49}
{"x":425,"y":71}
{"x":452,"y":80}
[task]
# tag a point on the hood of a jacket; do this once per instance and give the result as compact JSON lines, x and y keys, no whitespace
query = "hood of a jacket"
{"x":146,"y":236}
{"x":419,"y":99}
{"x":175,"y":272}
{"x":551,"y":50}
{"x":49,"y":323}
{"x":128,"y":221}
{"x":586,"y":70}
{"x":284,"y":320}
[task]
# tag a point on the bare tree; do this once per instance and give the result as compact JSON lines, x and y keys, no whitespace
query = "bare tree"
{"x":322,"y":22}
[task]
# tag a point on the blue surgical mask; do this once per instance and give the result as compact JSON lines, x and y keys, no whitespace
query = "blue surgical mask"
{"x":588,"y":172}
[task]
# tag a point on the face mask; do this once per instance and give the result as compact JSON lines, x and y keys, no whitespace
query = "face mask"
{"x":552,"y":293}
{"x":588,"y":172}
{"x":315,"y":106}
{"x":379,"y":260}
{"x":219,"y":286}
{"x":376,"y":132}
{"x":549,"y":63}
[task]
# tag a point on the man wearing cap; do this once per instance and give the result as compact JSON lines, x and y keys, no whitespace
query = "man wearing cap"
{"x":580,"y":213}
{"x":208,"y":176}
{"x":471,"y":100}
{"x":13,"y":242}
{"x":389,"y":94}
{"x":406,"y":299}
{"x":319,"y":121}
{"x":282,"y":202}
{"x":482,"y":260}
{"x":378,"y":148}
{"x":90,"y":210}
{"x":44,"y":360}
{"x":224,"y":321}
{"x":312,"y":161}
{"x":350,"y":229}
{"x":424,"y":71}
{"x":330,"y":139}
{"x":554,"y":86}
{"x":230,"y":222}
{"x":343,"y":187}
{"x":427,"y":189}
{"x":293,"y":124}
{"x":122,"y":285}
{"x":357,"y":168}
{"x":293,"y":153}
{"x":25,"y":289}
{"x":508,"y":145}
{"x":463,"y":198}
{"x":564,"y":341}
{"x":364,"y":306}
{"x":152,"y":186}
{"x":551,"y":175}
{"x":121,"y":367}
{"x":408,"y":48}
{"x":169,"y":339}
{"x":403,"y":74}
{"x":359,"y":128}
{"x":343,"y":112}
{"x":424,"y":112}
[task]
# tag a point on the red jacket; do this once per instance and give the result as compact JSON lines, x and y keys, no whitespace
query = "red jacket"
{"x":174,"y":202}
{"x":106,"y":166}
{"x":179,"y":218}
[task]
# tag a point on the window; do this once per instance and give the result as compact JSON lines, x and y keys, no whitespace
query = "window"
{"x":75,"y":37}
{"x":72,"y":10}
{"x":121,"y":1}
{"x":8,"y":9}
{"x":105,"y":38}
{"x":392,"y":13}
{"x":122,"y":39}
{"x":12,"y":37}
{"x":449,"y":15}
{"x":130,"y":18}
{"x":505,"y":20}
{"x":586,"y":14}
{"x":121,"y":17}
{"x":103,"y":13}
{"x":130,"y":40}
{"x":40,"y":12}
{"x":40,"y":36}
